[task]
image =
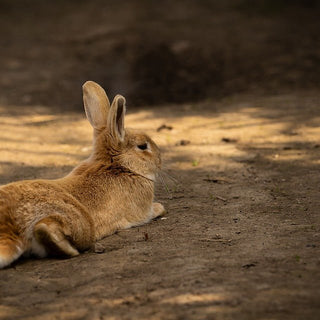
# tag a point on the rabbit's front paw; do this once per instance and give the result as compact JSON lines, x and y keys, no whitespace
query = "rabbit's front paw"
{"x":157,"y":210}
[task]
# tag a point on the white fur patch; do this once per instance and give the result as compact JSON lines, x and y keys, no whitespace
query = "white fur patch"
{"x":151,"y":176}
{"x":38,"y":249}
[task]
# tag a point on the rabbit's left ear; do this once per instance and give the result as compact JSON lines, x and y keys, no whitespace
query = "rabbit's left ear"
{"x":96,"y":104}
{"x":116,"y":118}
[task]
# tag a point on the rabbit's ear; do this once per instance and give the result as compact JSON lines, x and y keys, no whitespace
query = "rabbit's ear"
{"x":96,"y":104}
{"x":116,"y":117}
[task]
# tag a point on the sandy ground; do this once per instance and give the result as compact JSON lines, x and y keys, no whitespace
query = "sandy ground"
{"x":241,"y":238}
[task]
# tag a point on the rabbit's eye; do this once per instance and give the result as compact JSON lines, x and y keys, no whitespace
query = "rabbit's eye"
{"x":143,"y":146}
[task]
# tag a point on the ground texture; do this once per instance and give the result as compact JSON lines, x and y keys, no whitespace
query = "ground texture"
{"x":233,"y":89}
{"x":241,"y":239}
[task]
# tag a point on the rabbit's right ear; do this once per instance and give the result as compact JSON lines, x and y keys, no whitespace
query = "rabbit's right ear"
{"x":96,"y":104}
{"x":116,"y":118}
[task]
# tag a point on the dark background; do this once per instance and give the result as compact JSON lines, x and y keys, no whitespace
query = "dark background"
{"x":156,"y":52}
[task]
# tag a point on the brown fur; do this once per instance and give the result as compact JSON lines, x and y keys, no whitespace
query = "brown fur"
{"x":111,"y":190}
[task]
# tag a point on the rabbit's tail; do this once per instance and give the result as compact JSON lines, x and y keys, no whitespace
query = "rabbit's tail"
{"x":10,"y":250}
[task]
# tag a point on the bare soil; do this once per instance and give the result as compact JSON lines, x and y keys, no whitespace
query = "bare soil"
{"x":241,"y":239}
{"x":234,"y":85}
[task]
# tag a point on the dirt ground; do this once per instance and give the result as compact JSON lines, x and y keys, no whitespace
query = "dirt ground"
{"x":236,"y":84}
{"x":241,"y":238}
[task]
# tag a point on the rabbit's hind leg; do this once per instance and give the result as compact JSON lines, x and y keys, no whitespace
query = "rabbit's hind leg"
{"x":52,"y":232}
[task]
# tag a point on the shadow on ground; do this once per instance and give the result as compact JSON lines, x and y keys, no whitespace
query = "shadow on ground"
{"x":241,"y":237}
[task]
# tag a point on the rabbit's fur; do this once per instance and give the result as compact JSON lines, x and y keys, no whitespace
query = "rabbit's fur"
{"x":113,"y":189}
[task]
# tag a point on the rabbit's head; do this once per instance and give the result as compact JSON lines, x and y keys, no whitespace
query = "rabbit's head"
{"x":112,"y":142}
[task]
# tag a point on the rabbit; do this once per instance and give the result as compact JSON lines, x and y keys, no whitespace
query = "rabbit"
{"x":112,"y":190}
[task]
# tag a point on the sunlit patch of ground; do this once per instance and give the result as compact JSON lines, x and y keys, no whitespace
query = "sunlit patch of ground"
{"x":241,"y":238}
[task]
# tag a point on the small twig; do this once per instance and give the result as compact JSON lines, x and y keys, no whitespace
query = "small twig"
{"x":215,"y":240}
{"x":164,"y":127}
{"x":216,"y":180}
{"x":222,"y":199}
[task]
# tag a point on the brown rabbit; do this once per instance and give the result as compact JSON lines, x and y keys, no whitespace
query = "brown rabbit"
{"x":113,"y":189}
